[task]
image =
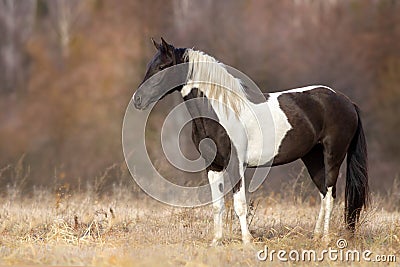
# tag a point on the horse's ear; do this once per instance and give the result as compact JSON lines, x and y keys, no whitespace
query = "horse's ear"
{"x":167,"y":47}
{"x":156,"y":45}
{"x":163,"y":42}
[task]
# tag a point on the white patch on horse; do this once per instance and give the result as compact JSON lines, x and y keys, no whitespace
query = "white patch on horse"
{"x":328,"y":209}
{"x":281,"y":122}
{"x":188,"y":87}
{"x":320,"y":219}
{"x":304,"y":89}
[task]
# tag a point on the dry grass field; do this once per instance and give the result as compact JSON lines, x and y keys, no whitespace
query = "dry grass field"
{"x":125,"y":228}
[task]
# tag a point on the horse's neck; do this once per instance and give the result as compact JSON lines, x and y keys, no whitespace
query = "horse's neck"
{"x":198,"y":105}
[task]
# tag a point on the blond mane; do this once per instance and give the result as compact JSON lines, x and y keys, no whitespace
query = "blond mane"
{"x":216,"y":82}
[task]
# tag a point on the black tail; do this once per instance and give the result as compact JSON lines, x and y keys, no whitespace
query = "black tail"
{"x":357,"y":191}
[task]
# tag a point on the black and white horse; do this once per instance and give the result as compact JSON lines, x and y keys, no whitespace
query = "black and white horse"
{"x":313,"y":123}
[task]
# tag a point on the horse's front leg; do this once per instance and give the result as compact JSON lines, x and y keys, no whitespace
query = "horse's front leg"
{"x":240,"y":205}
{"x":216,"y":180}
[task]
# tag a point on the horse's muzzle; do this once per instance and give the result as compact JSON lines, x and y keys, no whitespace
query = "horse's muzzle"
{"x":140,"y":103}
{"x":137,"y":101}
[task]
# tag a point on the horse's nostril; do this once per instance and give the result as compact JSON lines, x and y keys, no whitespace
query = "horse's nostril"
{"x":138,"y":99}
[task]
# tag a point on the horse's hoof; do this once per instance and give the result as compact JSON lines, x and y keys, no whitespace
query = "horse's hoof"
{"x":247,"y":240}
{"x":326,"y":239}
{"x":317,"y":235}
{"x":216,"y":242}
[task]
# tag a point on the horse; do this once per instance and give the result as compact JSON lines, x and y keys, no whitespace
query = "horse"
{"x":315,"y":123}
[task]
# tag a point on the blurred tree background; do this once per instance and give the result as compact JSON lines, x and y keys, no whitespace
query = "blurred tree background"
{"x":68,"y":69}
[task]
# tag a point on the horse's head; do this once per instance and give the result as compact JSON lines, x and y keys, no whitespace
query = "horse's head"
{"x":155,"y":88}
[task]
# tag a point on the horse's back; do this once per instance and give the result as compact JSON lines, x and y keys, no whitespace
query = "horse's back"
{"x":314,"y":113}
{"x":320,"y":107}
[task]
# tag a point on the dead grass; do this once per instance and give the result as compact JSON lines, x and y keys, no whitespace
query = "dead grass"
{"x":122,"y":229}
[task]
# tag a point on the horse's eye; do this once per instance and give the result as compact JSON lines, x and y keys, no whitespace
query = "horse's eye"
{"x":161,"y":67}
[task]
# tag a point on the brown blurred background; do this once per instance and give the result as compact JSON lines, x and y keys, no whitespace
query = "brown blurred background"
{"x":68,"y":69}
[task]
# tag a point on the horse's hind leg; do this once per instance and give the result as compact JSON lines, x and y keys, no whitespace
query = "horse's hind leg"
{"x":314,"y":162}
{"x":332,"y":168}
{"x":216,"y":180}
{"x":334,"y":154}
{"x":323,"y":163}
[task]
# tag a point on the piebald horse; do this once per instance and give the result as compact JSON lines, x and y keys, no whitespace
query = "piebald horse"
{"x":316,"y":124}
